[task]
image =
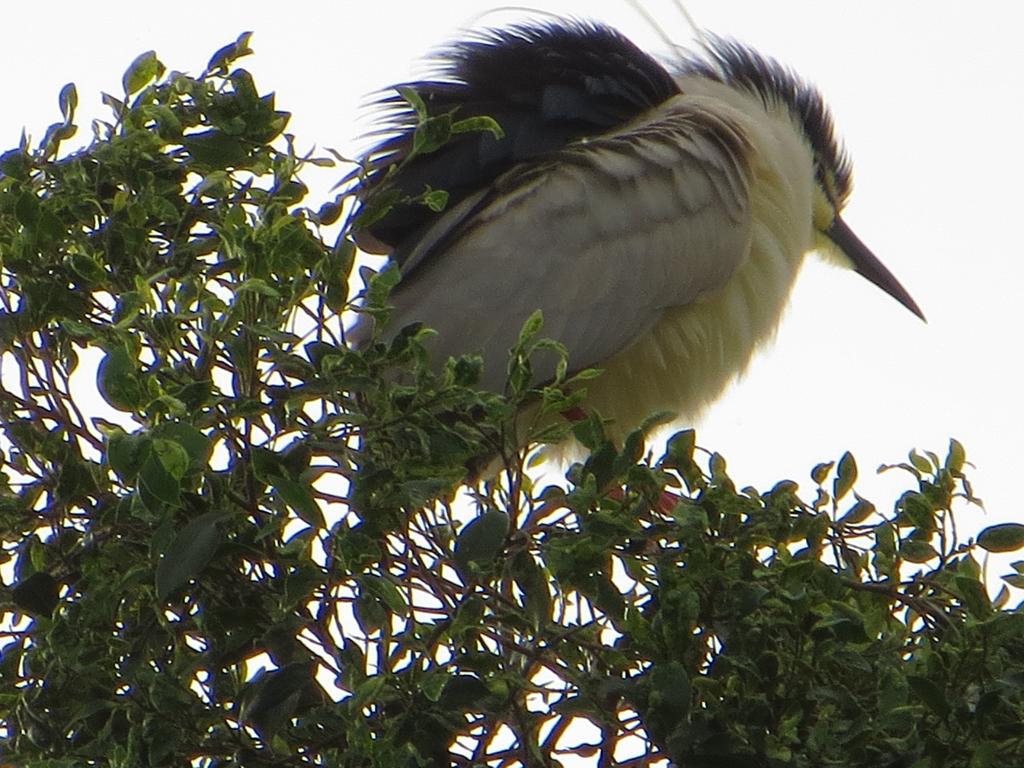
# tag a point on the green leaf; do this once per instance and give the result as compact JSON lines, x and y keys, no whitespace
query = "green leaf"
{"x":436,"y":200}
{"x":26,"y":209}
{"x":531,"y":328}
{"x":158,"y":485}
{"x":230,"y":53}
{"x":299,"y":498}
{"x":195,"y":444}
{"x":974,"y":596}
{"x":467,"y":693}
{"x":929,"y":694}
{"x":127,"y":452}
{"x":884,"y":548}
{"x":858,"y":513}
{"x":370,"y":612}
{"x":258,"y":286}
{"x":670,"y":695}
{"x":820,"y":471}
{"x":376,"y":207}
{"x":917,"y":511}
{"x":172,"y":457}
{"x":38,"y":594}
{"x":190,"y":552}
{"x":984,"y":755}
{"x":68,"y":100}
{"x":1005,"y":537}
{"x":533,"y":583}
{"x":481,"y":123}
{"x":432,"y":134}
{"x":917,"y":551}
{"x":270,"y":700}
{"x":480,"y":542}
{"x":432,"y":683}
{"x":718,"y":467}
{"x":846,"y":476}
{"x":386,"y":591}
{"x":679,"y":448}
{"x":142,"y":71}
{"x":329,"y":213}
{"x":15,"y":163}
{"x":119,"y":381}
{"x":414,"y":99}
{"x":920,"y":463}
{"x":216,"y":149}
{"x":956,"y":458}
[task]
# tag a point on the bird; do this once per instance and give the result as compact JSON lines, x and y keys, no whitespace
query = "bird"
{"x":656,"y":212}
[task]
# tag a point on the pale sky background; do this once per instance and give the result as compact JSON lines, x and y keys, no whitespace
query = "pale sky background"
{"x":926,"y":95}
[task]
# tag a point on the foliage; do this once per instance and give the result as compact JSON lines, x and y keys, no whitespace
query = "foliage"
{"x":272,"y":499}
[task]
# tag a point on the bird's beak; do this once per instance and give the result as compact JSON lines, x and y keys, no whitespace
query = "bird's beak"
{"x":868,"y":265}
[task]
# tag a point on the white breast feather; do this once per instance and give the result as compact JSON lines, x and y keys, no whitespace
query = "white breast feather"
{"x":693,"y":351}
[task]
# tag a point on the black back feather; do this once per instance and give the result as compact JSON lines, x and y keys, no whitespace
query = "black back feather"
{"x":545,"y":84}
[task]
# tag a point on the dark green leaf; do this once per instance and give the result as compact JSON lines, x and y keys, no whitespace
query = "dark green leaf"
{"x":159,"y":485}
{"x":1005,"y":537}
{"x":669,"y":700}
{"x":1014,"y":580}
{"x":299,"y":498}
{"x":974,"y":596}
{"x":271,"y":699}
{"x":917,"y":551}
{"x":846,"y":476}
{"x":216,"y":149}
{"x":432,"y":684}
{"x":481,"y":540}
{"x":929,"y":694}
{"x":985,"y":755}
{"x":858,"y":513}
{"x":39,"y":594}
{"x":188,"y":554}
{"x":533,"y":584}
{"x":388,"y":593}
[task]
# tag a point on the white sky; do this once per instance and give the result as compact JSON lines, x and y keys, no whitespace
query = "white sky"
{"x":926,"y":95}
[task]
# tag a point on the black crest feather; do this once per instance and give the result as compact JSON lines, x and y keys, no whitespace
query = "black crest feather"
{"x":731,"y":62}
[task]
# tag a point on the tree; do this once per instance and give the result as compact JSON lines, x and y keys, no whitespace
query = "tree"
{"x":272,"y":498}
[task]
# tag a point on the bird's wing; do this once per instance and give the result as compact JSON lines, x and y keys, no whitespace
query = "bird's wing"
{"x":603,"y":237}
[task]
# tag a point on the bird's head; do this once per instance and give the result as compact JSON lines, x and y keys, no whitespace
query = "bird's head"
{"x":783,"y":93}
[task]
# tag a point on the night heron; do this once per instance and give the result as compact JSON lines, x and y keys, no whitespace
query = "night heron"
{"x":658,"y":216}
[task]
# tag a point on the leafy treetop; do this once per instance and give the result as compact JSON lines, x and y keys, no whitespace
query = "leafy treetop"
{"x":269,"y":497}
